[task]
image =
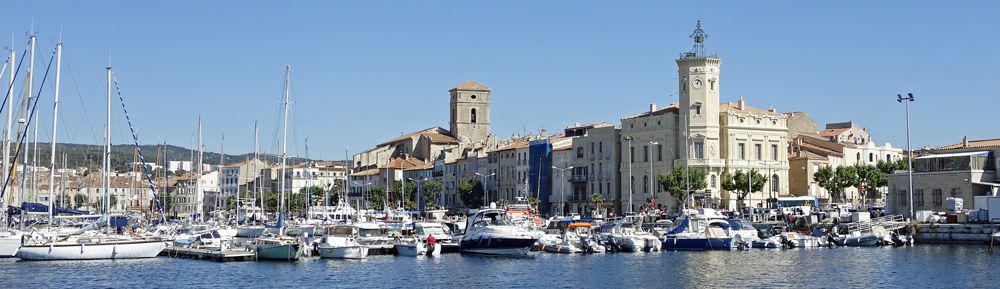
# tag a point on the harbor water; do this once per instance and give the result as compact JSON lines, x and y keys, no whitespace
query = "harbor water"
{"x":922,"y":266}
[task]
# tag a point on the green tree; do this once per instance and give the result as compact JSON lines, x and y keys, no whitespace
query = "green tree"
{"x":845,"y":177}
{"x":79,"y":200}
{"x":596,"y":201}
{"x":376,"y":198}
{"x":314,"y":191}
{"x":470,"y":192}
{"x":869,"y":179}
{"x":114,"y":201}
{"x":431,"y":191}
{"x":533,"y":201}
{"x":65,"y":201}
{"x":675,"y":183}
{"x":743,"y":184}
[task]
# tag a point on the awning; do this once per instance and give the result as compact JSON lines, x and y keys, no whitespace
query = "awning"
{"x":986,"y":184}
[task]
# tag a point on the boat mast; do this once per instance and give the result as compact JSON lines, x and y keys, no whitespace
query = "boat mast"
{"x":256,"y":170}
{"x":52,"y":141}
{"x":106,"y":170}
{"x":24,"y":117}
{"x":10,"y":119}
{"x":199,"y":194}
{"x":220,"y":202}
{"x":284,"y":143}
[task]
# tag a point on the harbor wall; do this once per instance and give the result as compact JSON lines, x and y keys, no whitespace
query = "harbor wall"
{"x":955,"y":233}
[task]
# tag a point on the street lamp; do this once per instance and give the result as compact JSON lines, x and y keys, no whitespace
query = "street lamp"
{"x":652,"y":188}
{"x":906,"y":111}
{"x":630,"y":180}
{"x":562,"y":188}
{"x":419,"y":186}
{"x":486,"y":192}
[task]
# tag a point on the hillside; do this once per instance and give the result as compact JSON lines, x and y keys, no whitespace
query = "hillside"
{"x":87,"y":155}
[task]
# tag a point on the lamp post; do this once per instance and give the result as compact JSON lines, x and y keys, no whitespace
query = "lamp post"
{"x":652,"y":187}
{"x":562,"y":188}
{"x":630,"y":180}
{"x":486,"y":192}
{"x":419,"y":187}
{"x":909,"y":152}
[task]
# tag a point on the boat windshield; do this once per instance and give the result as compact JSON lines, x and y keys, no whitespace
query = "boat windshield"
{"x":370,"y":232}
{"x":428,"y":230}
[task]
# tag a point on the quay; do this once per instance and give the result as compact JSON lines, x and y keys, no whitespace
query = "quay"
{"x":955,"y":233}
{"x":212,"y":255}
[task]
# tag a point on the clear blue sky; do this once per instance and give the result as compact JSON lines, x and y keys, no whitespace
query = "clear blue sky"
{"x":365,"y":71}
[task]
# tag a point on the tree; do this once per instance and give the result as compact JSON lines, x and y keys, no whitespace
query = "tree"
{"x":409,"y":192}
{"x":271,"y":201}
{"x":114,"y":201}
{"x":738,"y":182}
{"x":533,"y":201}
{"x":315,"y":193}
{"x":845,"y":177}
{"x":65,"y":201}
{"x":502,"y":202}
{"x":470,"y":192}
{"x":431,"y":189}
{"x":679,"y":187}
{"x":869,"y":179}
{"x":376,"y":198}
{"x":79,"y":200}
{"x":836,"y":180}
{"x":596,"y":201}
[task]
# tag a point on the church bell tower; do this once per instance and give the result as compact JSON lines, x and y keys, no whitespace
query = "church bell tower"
{"x":470,"y":112}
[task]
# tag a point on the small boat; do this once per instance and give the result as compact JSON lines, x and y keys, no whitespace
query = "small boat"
{"x":278,"y":248}
{"x":439,"y":231}
{"x":490,"y":232}
{"x":10,"y":241}
{"x":858,"y":240}
{"x":93,"y":248}
{"x":341,"y":243}
{"x":697,"y":233}
{"x":796,"y":240}
{"x":774,"y":242}
{"x":415,"y":247}
{"x":250,"y":231}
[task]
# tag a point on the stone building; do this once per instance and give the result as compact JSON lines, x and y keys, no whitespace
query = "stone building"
{"x":963,"y":170}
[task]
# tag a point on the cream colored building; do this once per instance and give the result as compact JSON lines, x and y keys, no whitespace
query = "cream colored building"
{"x":702,"y":133}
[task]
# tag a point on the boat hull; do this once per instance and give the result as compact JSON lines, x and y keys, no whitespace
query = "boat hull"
{"x":9,"y":244}
{"x":498,"y":246}
{"x":410,"y":250}
{"x":113,"y":250}
{"x":862,"y":241}
{"x":250,"y":232}
{"x":350,"y":252}
{"x":284,"y":252}
{"x":698,"y":244}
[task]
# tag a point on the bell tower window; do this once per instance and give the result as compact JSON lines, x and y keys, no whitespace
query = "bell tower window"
{"x":473,"y":116}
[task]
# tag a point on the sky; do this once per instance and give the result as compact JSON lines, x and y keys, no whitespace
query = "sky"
{"x":367,"y":71}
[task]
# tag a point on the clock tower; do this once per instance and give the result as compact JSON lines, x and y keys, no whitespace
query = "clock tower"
{"x":698,"y":90}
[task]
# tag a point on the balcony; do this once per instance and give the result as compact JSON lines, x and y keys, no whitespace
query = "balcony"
{"x":578,"y":178}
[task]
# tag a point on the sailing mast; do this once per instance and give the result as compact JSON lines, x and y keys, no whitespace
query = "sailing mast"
{"x":106,"y":170}
{"x":199,"y":194}
{"x":284,"y":149}
{"x":52,"y":141}
{"x":220,"y":202}
{"x":22,"y":121}
{"x":256,"y":170}
{"x":10,"y":119}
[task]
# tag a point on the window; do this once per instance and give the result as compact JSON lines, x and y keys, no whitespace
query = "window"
{"x":631,"y":154}
{"x":871,"y":157}
{"x":937,"y":197}
{"x":697,"y":109}
{"x":742,"y":151}
{"x":774,"y":183}
{"x":473,"y":96}
{"x":645,"y":153}
{"x":645,"y":184}
{"x":699,"y":150}
{"x":659,"y":152}
{"x":902,"y":198}
{"x":711,"y":84}
{"x":859,"y":157}
{"x":712,"y":180}
{"x":757,"y":152}
{"x":591,"y":150}
{"x":918,"y":198}
{"x":600,"y":147}
{"x":579,"y":152}
{"x":473,"y":116}
{"x":956,"y":192}
{"x":774,"y":152}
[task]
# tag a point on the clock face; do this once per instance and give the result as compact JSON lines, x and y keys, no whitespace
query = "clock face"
{"x":697,"y":83}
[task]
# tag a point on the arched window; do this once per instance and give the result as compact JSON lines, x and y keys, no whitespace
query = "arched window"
{"x":859,"y":157}
{"x":774,"y":183}
{"x":711,"y":84}
{"x":888,"y":157}
{"x":712,"y":180}
{"x":871,"y":157}
{"x":473,"y":115}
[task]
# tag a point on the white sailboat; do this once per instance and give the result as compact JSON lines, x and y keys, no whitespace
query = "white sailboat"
{"x":93,"y":245}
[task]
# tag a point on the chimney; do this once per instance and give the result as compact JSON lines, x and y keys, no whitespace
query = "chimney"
{"x":965,"y":141}
{"x":741,"y":105}
{"x":652,"y":107}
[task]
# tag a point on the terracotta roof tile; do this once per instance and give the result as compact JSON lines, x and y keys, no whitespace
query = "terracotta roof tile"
{"x":471,"y":85}
{"x":984,"y":143}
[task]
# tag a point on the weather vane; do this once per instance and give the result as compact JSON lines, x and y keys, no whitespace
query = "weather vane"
{"x":699,"y":37}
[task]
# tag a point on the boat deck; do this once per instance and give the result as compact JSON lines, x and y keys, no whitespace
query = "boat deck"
{"x":212,"y":255}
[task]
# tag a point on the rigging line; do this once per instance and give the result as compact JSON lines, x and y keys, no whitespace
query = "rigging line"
{"x":135,"y":139}
{"x":86,"y":106}
{"x":23,"y":137}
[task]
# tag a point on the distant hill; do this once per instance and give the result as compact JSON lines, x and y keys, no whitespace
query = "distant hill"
{"x":88,"y":155}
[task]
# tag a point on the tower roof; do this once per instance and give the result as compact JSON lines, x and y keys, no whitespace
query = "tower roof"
{"x":471,"y":85}
{"x":698,"y":50}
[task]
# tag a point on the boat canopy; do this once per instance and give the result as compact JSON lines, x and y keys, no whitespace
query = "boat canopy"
{"x":42,"y":208}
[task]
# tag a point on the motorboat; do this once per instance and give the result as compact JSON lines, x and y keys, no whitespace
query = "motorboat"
{"x":278,"y":248}
{"x":490,"y":232}
{"x":341,"y":242}
{"x":417,"y":247}
{"x":252,"y":231}
{"x":10,"y":242}
{"x":773,"y":242}
{"x":695,"y":232}
{"x":91,"y":247}
{"x":441,"y":234}
{"x":797,"y":240}
{"x":211,"y":239}
{"x":374,"y":235}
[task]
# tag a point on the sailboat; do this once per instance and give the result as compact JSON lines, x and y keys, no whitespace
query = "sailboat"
{"x":86,"y":244}
{"x":281,"y":247}
{"x":10,"y":239}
